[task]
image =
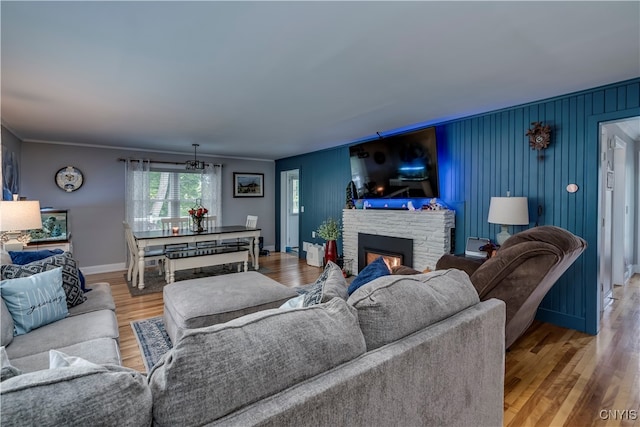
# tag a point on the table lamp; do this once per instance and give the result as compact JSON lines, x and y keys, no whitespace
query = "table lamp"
{"x":508,"y":211}
{"x":15,"y":219}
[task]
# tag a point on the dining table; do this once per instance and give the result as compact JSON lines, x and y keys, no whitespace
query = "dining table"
{"x":145,"y":239}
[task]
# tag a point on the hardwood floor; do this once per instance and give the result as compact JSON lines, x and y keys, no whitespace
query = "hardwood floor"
{"x":553,"y":377}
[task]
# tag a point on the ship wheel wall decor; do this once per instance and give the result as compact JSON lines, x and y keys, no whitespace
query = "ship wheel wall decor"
{"x":539,"y":136}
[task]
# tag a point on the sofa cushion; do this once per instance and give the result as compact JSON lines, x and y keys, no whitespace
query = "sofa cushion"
{"x":102,"y":351}
{"x":70,"y":275}
{"x":35,"y":301}
{"x":215,"y":370}
{"x":377,"y":268}
{"x":65,"y":332}
{"x":100,"y":298}
{"x":6,"y":325}
{"x":78,"y":396}
{"x":330,"y":284}
{"x":393,"y":307}
{"x":5,"y":258}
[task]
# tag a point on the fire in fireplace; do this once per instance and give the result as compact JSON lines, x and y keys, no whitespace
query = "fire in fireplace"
{"x":391,"y":259}
{"x":396,"y":250}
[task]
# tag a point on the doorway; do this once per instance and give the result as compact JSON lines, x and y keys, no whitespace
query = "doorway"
{"x":619,"y":196}
{"x":290,"y":211}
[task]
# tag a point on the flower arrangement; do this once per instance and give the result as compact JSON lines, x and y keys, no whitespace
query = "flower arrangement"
{"x":329,"y":229}
{"x":198,"y":213}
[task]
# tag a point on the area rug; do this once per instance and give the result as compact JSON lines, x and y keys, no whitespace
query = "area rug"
{"x":152,"y":338}
{"x":154,"y":282}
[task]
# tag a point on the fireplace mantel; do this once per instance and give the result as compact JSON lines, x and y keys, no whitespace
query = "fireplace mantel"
{"x":431,"y":232}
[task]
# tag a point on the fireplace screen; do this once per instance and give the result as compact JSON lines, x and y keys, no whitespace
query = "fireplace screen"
{"x":395,"y":250}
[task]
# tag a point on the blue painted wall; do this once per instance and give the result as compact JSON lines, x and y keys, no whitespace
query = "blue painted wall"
{"x":488,"y":155}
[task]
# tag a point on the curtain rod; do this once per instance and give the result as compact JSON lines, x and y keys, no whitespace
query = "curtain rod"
{"x":162,"y":162}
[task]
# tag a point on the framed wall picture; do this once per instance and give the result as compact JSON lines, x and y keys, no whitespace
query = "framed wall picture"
{"x":248,"y":184}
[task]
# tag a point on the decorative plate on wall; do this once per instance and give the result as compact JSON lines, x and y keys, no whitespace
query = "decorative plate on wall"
{"x":69,"y":179}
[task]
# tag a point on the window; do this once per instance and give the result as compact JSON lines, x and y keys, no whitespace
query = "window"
{"x":156,"y":190}
{"x":295,"y":205}
{"x":172,"y":194}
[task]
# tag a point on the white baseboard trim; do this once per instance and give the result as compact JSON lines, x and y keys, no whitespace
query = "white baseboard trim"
{"x":636,"y":268}
{"x":105,"y":268}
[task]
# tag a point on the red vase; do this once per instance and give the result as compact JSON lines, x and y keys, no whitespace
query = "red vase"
{"x":330,"y":251}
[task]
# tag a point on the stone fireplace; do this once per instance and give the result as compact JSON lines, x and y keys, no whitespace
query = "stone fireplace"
{"x":430,"y":233}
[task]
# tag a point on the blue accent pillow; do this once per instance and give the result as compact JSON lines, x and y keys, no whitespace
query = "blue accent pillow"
{"x":35,"y":300}
{"x":27,"y":257}
{"x":377,"y":268}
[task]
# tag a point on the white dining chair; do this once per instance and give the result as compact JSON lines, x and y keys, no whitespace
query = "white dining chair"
{"x":134,"y":256}
{"x":209,"y":223}
{"x":167,"y":224}
{"x":181,"y":222}
{"x":252,"y":222}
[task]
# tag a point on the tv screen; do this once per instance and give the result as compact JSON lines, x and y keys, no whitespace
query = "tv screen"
{"x":399,"y":166}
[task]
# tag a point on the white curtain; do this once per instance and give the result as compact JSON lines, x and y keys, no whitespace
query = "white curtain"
{"x":212,"y":191}
{"x":137,"y":206}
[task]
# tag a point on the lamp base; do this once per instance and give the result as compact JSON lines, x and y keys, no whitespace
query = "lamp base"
{"x":13,"y":241}
{"x":13,"y":245}
{"x":503,"y":235}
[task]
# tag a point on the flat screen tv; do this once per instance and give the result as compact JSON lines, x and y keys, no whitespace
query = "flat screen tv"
{"x":399,"y":166}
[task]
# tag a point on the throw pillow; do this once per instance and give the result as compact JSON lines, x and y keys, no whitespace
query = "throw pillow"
{"x":27,"y":257}
{"x":377,"y":268}
{"x":58,"y":359}
{"x":295,"y":302}
{"x":35,"y":300}
{"x":70,"y":276}
{"x":330,"y":284}
{"x":6,"y":370}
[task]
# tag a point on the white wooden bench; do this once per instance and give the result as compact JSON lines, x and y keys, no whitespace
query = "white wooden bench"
{"x":184,"y":259}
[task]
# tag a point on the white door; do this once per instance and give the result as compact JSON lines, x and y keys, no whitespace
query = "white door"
{"x":289,"y":210}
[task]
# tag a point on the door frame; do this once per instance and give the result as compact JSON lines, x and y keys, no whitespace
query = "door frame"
{"x":592,"y":253}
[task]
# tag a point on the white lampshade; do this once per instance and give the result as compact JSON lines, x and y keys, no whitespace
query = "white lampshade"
{"x":20,"y":216}
{"x":508,"y":211}
{"x":15,"y":218}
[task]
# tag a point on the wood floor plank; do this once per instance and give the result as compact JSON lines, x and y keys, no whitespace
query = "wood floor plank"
{"x":553,"y":376}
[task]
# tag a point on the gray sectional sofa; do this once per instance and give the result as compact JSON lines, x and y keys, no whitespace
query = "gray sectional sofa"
{"x":401,"y":351}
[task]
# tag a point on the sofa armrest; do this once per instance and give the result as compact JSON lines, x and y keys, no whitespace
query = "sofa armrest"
{"x":468,"y":265}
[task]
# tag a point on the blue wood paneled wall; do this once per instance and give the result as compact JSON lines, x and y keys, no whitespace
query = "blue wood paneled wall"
{"x":324,"y":176}
{"x":487,"y":155}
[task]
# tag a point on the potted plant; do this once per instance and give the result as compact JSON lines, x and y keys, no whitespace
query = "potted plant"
{"x":329,"y":230}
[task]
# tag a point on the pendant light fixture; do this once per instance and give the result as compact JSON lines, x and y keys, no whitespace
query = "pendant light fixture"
{"x":195,"y":164}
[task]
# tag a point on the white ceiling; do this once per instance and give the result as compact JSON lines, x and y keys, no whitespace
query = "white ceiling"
{"x":275,"y":79}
